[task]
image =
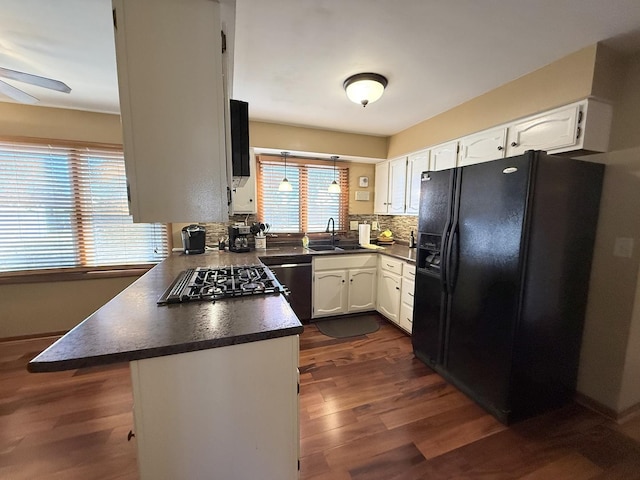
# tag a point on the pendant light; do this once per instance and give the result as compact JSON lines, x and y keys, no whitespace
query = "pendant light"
{"x":334,"y":187}
{"x":285,"y":186}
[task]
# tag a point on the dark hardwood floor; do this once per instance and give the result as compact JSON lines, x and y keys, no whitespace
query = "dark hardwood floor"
{"x":368,"y":410}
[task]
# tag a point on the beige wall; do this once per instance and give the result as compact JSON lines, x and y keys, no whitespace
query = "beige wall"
{"x":610,"y":359}
{"x":286,"y":137}
{"x":57,"y":123}
{"x":612,"y":288}
{"x":28,"y":309}
{"x":357,"y":170}
{"x":564,"y":81}
{"x":36,"y":308}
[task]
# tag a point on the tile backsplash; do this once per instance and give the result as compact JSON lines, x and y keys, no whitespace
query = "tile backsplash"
{"x":400,"y":225}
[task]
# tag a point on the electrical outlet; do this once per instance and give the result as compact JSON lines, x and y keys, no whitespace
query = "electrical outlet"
{"x":353,"y":225}
{"x":374,"y":225}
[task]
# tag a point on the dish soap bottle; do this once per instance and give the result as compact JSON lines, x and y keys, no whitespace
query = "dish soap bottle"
{"x":305,"y":240}
{"x":412,"y":241}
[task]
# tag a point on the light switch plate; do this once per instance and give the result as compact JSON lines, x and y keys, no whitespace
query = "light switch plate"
{"x":623,"y":247}
{"x":374,"y":225}
{"x":353,"y":225}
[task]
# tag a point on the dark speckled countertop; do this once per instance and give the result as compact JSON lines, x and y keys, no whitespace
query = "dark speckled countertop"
{"x":132,"y":326}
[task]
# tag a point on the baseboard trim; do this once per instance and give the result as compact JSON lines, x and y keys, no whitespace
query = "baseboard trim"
{"x":618,"y":417}
{"x":34,"y":336}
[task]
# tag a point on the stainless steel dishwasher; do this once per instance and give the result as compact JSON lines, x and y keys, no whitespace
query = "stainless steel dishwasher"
{"x":294,"y":272}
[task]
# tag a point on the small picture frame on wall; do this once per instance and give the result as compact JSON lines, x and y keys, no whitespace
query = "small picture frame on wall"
{"x":363,"y":182}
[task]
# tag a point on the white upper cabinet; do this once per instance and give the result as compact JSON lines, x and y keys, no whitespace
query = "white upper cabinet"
{"x":244,"y":197}
{"x":482,"y":147}
{"x":172,"y":102}
{"x":444,"y":156}
{"x":416,"y":164}
{"x":397,"y":183}
{"x":548,"y":131}
{"x":584,"y":125}
{"x":381,"y":193}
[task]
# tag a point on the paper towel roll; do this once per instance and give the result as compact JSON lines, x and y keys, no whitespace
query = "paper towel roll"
{"x":364,"y":234}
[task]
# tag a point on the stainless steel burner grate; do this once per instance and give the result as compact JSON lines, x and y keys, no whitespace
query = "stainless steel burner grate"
{"x":206,"y":283}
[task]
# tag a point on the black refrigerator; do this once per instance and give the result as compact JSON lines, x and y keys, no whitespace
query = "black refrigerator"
{"x":503,"y":265}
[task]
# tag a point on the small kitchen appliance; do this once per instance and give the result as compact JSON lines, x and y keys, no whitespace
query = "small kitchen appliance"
{"x":238,"y":238}
{"x":193,"y":239}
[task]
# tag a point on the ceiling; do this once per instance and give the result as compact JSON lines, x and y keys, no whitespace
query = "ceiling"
{"x":292,"y":56}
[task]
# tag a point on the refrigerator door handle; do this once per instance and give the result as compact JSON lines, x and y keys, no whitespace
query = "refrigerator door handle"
{"x":452,"y":260}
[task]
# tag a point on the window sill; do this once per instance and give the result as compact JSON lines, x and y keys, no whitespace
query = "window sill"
{"x":71,"y":274}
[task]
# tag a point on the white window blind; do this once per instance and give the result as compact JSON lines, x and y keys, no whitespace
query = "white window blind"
{"x":66,"y":206}
{"x":309,"y":205}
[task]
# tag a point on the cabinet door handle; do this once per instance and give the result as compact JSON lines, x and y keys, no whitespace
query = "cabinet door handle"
{"x":351,"y":279}
{"x":514,"y":144}
{"x":397,"y":288}
{"x":342,"y":281}
{"x":410,"y":294}
{"x":500,"y":147}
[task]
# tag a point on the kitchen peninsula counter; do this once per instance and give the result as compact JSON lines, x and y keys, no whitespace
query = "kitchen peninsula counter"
{"x":133,"y":327}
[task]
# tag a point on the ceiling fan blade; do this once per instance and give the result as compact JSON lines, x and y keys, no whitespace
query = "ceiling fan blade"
{"x":16,"y":94}
{"x":35,"y":80}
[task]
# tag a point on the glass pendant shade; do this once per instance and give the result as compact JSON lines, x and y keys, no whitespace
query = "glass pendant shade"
{"x":365,"y":88}
{"x":334,"y":187}
{"x":285,"y":186}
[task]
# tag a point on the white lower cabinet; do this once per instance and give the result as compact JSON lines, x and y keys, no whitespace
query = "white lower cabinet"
{"x":406,"y":298}
{"x":362,"y":290}
{"x":329,"y":293}
{"x":228,"y":412}
{"x":344,"y":284}
{"x":389,"y":287}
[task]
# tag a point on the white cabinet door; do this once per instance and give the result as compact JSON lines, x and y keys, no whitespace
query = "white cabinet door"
{"x":416,"y":164}
{"x":444,"y":156}
{"x":397,"y":183}
{"x":549,"y":131}
{"x":244,"y":198}
{"x":389,"y":295}
{"x":482,"y":147}
{"x":381,"y":193}
{"x":329,"y":293}
{"x":406,"y":317}
{"x":169,"y":58}
{"x":362,"y":289}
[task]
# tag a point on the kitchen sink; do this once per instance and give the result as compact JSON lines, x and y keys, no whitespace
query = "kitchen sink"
{"x":321,"y":248}
{"x":328,"y":248}
{"x":349,"y":247}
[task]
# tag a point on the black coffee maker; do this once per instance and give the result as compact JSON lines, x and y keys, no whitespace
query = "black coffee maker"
{"x":238,"y":238}
{"x":193,"y":239}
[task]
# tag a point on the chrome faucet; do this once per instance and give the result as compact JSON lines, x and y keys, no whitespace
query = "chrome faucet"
{"x":333,"y":230}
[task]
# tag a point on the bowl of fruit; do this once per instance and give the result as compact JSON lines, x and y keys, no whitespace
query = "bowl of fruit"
{"x":386,"y":238}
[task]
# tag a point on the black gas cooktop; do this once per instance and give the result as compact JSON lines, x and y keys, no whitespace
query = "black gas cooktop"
{"x":214,"y":283}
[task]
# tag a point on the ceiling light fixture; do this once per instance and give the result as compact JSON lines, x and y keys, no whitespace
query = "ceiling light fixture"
{"x":365,"y":88}
{"x":334,"y":187}
{"x":285,"y":186}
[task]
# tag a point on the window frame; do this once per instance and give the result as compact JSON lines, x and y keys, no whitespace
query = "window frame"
{"x":76,"y":272}
{"x":342,"y":177}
